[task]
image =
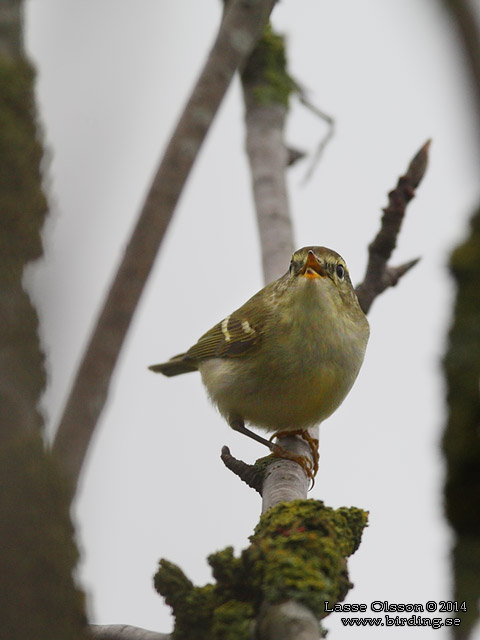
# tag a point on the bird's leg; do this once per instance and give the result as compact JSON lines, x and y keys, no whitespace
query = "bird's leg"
{"x":312,"y":443}
{"x":238,"y":424}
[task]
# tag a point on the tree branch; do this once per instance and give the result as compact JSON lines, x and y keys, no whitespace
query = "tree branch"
{"x":287,"y":621}
{"x":11,"y":40}
{"x":250,"y":474}
{"x":267,"y":87}
{"x":266,"y":90}
{"x":239,"y":30}
{"x":379,"y":276}
{"x":124,"y":632}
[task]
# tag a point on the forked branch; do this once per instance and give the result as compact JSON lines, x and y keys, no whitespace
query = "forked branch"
{"x":379,"y":275}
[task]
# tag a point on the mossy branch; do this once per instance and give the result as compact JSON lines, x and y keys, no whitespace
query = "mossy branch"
{"x":267,"y":87}
{"x":37,"y":552}
{"x":297,"y":553}
{"x":461,"y":444}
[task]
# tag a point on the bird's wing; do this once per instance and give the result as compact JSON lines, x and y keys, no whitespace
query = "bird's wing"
{"x":232,"y":337}
{"x":240,"y":332}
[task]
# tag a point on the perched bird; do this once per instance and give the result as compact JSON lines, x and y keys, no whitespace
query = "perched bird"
{"x":287,"y":358}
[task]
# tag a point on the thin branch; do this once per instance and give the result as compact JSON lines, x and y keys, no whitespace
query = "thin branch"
{"x":249,"y":473}
{"x":294,"y":156}
{"x":240,"y":29}
{"x":325,"y":139}
{"x":379,"y":276}
{"x":124,"y":632}
{"x":286,"y":480}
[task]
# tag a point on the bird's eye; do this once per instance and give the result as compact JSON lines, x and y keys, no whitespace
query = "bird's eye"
{"x":340,"y":270}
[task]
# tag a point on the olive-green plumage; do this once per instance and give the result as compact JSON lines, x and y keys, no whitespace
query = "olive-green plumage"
{"x":287,"y":358}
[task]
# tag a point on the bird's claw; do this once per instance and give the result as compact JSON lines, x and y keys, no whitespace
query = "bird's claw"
{"x":307,"y":465}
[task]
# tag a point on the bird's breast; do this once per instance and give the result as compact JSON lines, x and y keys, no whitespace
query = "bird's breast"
{"x":303,"y":369}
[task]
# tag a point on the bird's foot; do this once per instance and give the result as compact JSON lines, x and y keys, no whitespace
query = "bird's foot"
{"x":305,"y":462}
{"x":280,"y":452}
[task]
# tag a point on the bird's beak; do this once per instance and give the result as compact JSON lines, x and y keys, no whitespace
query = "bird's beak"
{"x":312,"y":267}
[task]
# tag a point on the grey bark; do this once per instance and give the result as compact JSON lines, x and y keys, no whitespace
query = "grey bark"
{"x":11,"y":16}
{"x":287,"y":621}
{"x":124,"y":632}
{"x":268,"y":157}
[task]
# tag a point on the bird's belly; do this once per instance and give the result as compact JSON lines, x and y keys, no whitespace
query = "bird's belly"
{"x":279,"y":400}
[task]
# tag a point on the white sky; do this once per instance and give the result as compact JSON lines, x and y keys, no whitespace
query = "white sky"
{"x":113,"y":77}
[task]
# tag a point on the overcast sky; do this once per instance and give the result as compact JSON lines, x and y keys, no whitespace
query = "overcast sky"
{"x":112,"y":79}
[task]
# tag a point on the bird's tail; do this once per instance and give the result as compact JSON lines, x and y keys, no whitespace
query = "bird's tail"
{"x":175,"y":366}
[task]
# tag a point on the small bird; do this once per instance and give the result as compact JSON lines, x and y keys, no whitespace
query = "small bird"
{"x":288,"y":357}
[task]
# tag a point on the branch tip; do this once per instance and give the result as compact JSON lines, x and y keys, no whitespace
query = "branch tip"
{"x":395,"y":273}
{"x":379,"y":275}
{"x":418,"y":165}
{"x":251,"y":474}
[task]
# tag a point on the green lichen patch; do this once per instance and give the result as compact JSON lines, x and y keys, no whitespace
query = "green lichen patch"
{"x":298,"y":552}
{"x":22,"y":202}
{"x":461,"y":444}
{"x":192,"y":606}
{"x":233,"y":620}
{"x":266,"y":70}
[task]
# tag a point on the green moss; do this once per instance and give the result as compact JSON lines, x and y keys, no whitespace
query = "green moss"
{"x":233,"y":620}
{"x":266,"y":70}
{"x":298,"y":552}
{"x":233,"y":581}
{"x":39,"y":598}
{"x":193,"y":607}
{"x":22,"y":201}
{"x":461,"y":444}
{"x":22,"y":212}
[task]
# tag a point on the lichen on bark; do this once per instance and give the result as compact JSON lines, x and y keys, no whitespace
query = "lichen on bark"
{"x":461,"y":442}
{"x":39,"y":598}
{"x":298,"y":552}
{"x":266,"y":70}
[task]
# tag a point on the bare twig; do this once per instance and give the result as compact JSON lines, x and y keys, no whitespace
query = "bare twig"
{"x":294,"y":156}
{"x":239,"y":30}
{"x":249,"y":473}
{"x":124,"y":632}
{"x":379,"y":276}
{"x":325,"y":139}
